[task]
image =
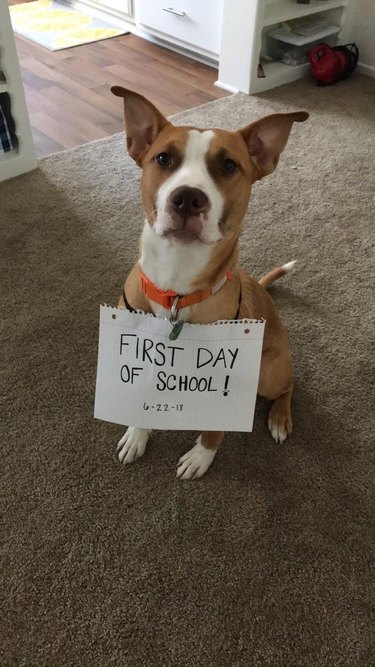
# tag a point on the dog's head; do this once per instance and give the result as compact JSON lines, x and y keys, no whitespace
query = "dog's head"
{"x":196,"y":183}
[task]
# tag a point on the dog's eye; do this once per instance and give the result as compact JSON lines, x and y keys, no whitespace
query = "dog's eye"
{"x":164,"y":159}
{"x":229,"y":166}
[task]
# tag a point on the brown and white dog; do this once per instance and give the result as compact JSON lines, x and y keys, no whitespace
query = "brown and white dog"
{"x":196,"y":186}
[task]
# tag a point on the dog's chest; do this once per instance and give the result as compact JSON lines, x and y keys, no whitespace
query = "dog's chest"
{"x":172,"y":266}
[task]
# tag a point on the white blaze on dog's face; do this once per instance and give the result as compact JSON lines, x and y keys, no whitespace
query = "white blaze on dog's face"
{"x":196,"y":183}
{"x":189,"y":204}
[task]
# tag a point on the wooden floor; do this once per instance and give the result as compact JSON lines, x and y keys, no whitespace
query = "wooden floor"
{"x":68,"y":95}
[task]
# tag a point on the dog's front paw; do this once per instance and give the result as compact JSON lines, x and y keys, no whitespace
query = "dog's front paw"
{"x":195,"y":462}
{"x":280,"y":424}
{"x":133,"y":444}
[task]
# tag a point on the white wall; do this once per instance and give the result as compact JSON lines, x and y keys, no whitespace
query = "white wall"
{"x":361,"y":30}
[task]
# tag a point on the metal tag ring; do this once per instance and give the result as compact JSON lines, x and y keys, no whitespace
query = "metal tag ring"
{"x":174,"y":310}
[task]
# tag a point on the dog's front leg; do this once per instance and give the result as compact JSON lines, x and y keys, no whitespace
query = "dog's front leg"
{"x":133,"y":444}
{"x":197,"y":460}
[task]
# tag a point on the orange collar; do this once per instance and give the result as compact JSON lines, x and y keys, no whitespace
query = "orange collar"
{"x":167,"y":298}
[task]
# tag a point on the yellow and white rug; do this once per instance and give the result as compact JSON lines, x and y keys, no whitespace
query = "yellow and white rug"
{"x":57,"y":26}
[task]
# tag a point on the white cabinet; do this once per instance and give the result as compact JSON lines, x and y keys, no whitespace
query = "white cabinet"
{"x":22,"y":157}
{"x":246,"y":40}
{"x":190,"y":24}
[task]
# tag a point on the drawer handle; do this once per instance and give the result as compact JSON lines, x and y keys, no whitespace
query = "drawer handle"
{"x":173,"y":11}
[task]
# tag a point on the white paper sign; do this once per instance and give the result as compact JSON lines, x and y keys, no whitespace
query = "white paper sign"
{"x":207,"y":379}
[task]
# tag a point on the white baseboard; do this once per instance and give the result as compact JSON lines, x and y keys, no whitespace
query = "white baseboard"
{"x":369,"y":70}
{"x":225,"y":86}
{"x":175,"y":47}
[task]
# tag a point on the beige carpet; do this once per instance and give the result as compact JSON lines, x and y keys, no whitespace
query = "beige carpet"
{"x":265,"y":562}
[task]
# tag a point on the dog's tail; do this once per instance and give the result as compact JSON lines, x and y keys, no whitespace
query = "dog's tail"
{"x":268,"y":280}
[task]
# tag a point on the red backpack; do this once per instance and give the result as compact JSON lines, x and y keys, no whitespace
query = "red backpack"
{"x":330,"y":64}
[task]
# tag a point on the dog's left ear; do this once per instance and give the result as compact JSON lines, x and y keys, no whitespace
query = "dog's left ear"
{"x":143,"y":122}
{"x":266,"y":139}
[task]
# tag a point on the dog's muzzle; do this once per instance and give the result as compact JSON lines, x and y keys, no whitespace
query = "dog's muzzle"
{"x":188,"y":209}
{"x":186,"y":202}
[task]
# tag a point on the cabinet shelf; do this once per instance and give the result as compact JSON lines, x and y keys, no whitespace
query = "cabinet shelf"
{"x":9,"y":155}
{"x":278,"y":68}
{"x":299,"y":40}
{"x":278,"y":11}
{"x":279,"y":73}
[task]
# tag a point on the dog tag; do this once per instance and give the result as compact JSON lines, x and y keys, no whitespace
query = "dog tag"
{"x":176,"y":330}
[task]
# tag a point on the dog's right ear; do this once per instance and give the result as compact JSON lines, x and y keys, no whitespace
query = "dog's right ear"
{"x":143,"y":122}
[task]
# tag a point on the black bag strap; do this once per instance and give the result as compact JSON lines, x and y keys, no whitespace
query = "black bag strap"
{"x":351,"y":52}
{"x":353,"y":49}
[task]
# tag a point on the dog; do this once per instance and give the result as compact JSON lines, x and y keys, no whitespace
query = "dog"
{"x":196,"y":185}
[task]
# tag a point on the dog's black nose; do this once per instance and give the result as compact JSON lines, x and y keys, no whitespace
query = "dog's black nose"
{"x":189,"y":201}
